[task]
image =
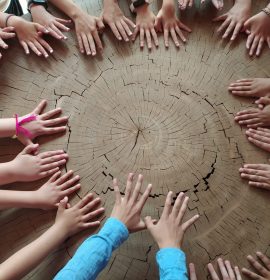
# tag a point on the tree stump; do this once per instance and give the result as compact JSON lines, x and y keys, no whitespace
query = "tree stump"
{"x":166,"y":114}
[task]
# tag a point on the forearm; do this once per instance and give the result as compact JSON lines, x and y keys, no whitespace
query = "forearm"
{"x":7,"y":175}
{"x":68,"y":7}
{"x":7,"y":127}
{"x":22,"y":262}
{"x":95,"y":252}
{"x":18,"y":199}
{"x":172,"y":264}
{"x":167,"y":3}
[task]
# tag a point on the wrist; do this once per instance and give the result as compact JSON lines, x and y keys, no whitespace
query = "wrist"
{"x":75,"y":13}
{"x":34,"y":8}
{"x":168,"y":7}
{"x":168,"y":244}
{"x":7,"y":173}
{"x":62,"y":231}
{"x":142,"y":9}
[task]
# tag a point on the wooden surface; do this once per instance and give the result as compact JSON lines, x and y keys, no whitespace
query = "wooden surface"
{"x":166,"y":114}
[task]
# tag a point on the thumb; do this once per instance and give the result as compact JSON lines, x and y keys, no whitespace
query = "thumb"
{"x":263,"y":100}
{"x":148,"y":222}
{"x":247,"y":24}
{"x":157,"y":24}
{"x":100,"y":24}
{"x":30,"y":149}
{"x":63,"y":204}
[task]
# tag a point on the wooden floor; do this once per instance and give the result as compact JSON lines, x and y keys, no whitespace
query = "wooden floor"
{"x":166,"y":114}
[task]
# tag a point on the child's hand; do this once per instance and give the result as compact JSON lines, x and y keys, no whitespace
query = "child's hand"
{"x":49,"y":195}
{"x":87,"y":28}
{"x":226,"y":270}
{"x":128,"y":209}
{"x":71,"y":220}
{"x":43,"y":125}
{"x":6,"y":33}
{"x":54,"y":25}
{"x":29,"y":166}
{"x":145,"y":20}
{"x":258,"y":30}
{"x":167,"y":20}
{"x":183,"y":4}
{"x":170,"y":229}
{"x":234,"y":19}
{"x":29,"y":35}
{"x":119,"y":24}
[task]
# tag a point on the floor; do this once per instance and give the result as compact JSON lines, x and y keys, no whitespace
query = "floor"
{"x":166,"y":114}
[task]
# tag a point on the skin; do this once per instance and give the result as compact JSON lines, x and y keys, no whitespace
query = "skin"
{"x":113,"y":16}
{"x":258,"y":30}
{"x":254,"y":117}
{"x":169,"y":231}
{"x":234,"y":19}
{"x":257,"y":87}
{"x":29,"y":165}
{"x":45,"y":124}
{"x":167,"y":21}
{"x":6,"y":33}
{"x":55,"y":26}
{"x":46,"y":197}
{"x":87,"y":27}
{"x":260,"y":137}
{"x":226,"y":270}
{"x":69,"y":221}
{"x":183,"y":4}
{"x":258,"y":175}
{"x":145,"y":28}
{"x":29,"y":36}
{"x":128,"y":208}
{"x":262,"y":268}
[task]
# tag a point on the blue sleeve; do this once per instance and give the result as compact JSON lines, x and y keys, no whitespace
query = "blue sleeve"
{"x":95,"y":252}
{"x":172,"y":264}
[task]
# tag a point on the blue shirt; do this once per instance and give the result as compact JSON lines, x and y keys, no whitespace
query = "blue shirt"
{"x":95,"y":252}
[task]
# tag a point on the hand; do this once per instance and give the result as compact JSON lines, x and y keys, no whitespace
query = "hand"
{"x":234,"y":19}
{"x":257,"y":174}
{"x":87,"y":28}
{"x":49,"y":195}
{"x":258,"y":28}
{"x":263,"y":102}
{"x":6,"y":33}
{"x":183,"y":4}
{"x":227,"y":272}
{"x":253,"y":118}
{"x":29,"y":166}
{"x":44,"y":124}
{"x":128,"y":209}
{"x":166,"y":20}
{"x":29,"y":36}
{"x":54,"y":25}
{"x":192,"y":272}
{"x":259,"y":137}
{"x":145,"y":20}
{"x":170,"y":229}
{"x":262,"y":270}
{"x":217,"y":3}
{"x":119,"y":24}
{"x":71,"y":220}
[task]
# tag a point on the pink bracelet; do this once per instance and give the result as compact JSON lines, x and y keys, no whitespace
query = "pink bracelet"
{"x":22,"y":130}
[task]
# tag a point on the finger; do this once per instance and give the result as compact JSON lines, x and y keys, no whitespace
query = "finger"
{"x":220,"y":18}
{"x":254,"y":178}
{"x":212,"y":272}
{"x":254,"y":45}
{"x":60,"y":26}
{"x":118,"y":198}
{"x":178,"y":204}
{"x":135,"y":33}
{"x":264,"y":259}
{"x":3,"y":44}
{"x":183,"y":26}
{"x":263,"y":271}
{"x":141,"y":37}
{"x":129,"y":186}
{"x":115,"y":31}
{"x":40,"y":107}
{"x":51,"y":153}
{"x":90,"y":205}
{"x":168,"y":205}
{"x":69,"y":183}
{"x":224,"y":25}
{"x":122,"y":31}
{"x":41,"y":28}
{"x":41,"y":49}
{"x":54,"y":122}
{"x":129,"y":22}
{"x":126,"y":28}
{"x":192,"y":272}
{"x":255,"y":172}
{"x":260,"y":46}
{"x":54,"y":177}
{"x":144,"y":197}
{"x":249,"y":41}
{"x":50,"y":114}
{"x":229,"y":29}
{"x":259,"y":185}
{"x":155,"y":37}
{"x":229,"y":269}
{"x":237,"y":273}
{"x":54,"y":158}
{"x":100,"y":24}
{"x":92,"y":43}
{"x":92,"y":224}
{"x":222,"y":268}
{"x":80,"y":42}
{"x":86,"y":45}
{"x":190,"y":222}
{"x":251,"y":274}
{"x":236,"y":31}
{"x":149,"y":223}
{"x":71,"y":190}
{"x":174,"y":37}
{"x":166,"y":37}
{"x":25,"y":47}
{"x":180,"y":34}
{"x":49,"y":172}
{"x":255,"y":166}
{"x":93,"y":214}
{"x":53,"y":130}
{"x":89,"y":197}
{"x":64,"y":177}
{"x":34,"y":48}
{"x":97,"y":41}
{"x":148,"y":39}
{"x":137,"y":189}
{"x":54,"y":32}
{"x":47,"y":167}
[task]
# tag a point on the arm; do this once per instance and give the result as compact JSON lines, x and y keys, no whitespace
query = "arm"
{"x":68,"y":222}
{"x":93,"y":255}
{"x":7,"y":127}
{"x":169,"y":233}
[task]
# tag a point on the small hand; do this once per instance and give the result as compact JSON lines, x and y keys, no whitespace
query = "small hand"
{"x":87,"y":29}
{"x":183,"y":4}
{"x":234,"y":19}
{"x":119,"y":24}
{"x":29,"y":35}
{"x":44,"y":124}
{"x":259,"y":137}
{"x":72,"y":220}
{"x":145,"y":20}
{"x":263,"y":271}
{"x":57,"y":187}
{"x":128,"y":209}
{"x":166,"y":20}
{"x":54,"y":25}
{"x":227,"y":272}
{"x":258,"y":30}
{"x":170,"y":229}
{"x":6,"y":33}
{"x":29,"y":165}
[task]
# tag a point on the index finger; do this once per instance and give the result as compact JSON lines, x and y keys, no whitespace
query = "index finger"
{"x":40,"y":107}
{"x":84,"y":201}
{"x":192,"y":272}
{"x":212,"y":272}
